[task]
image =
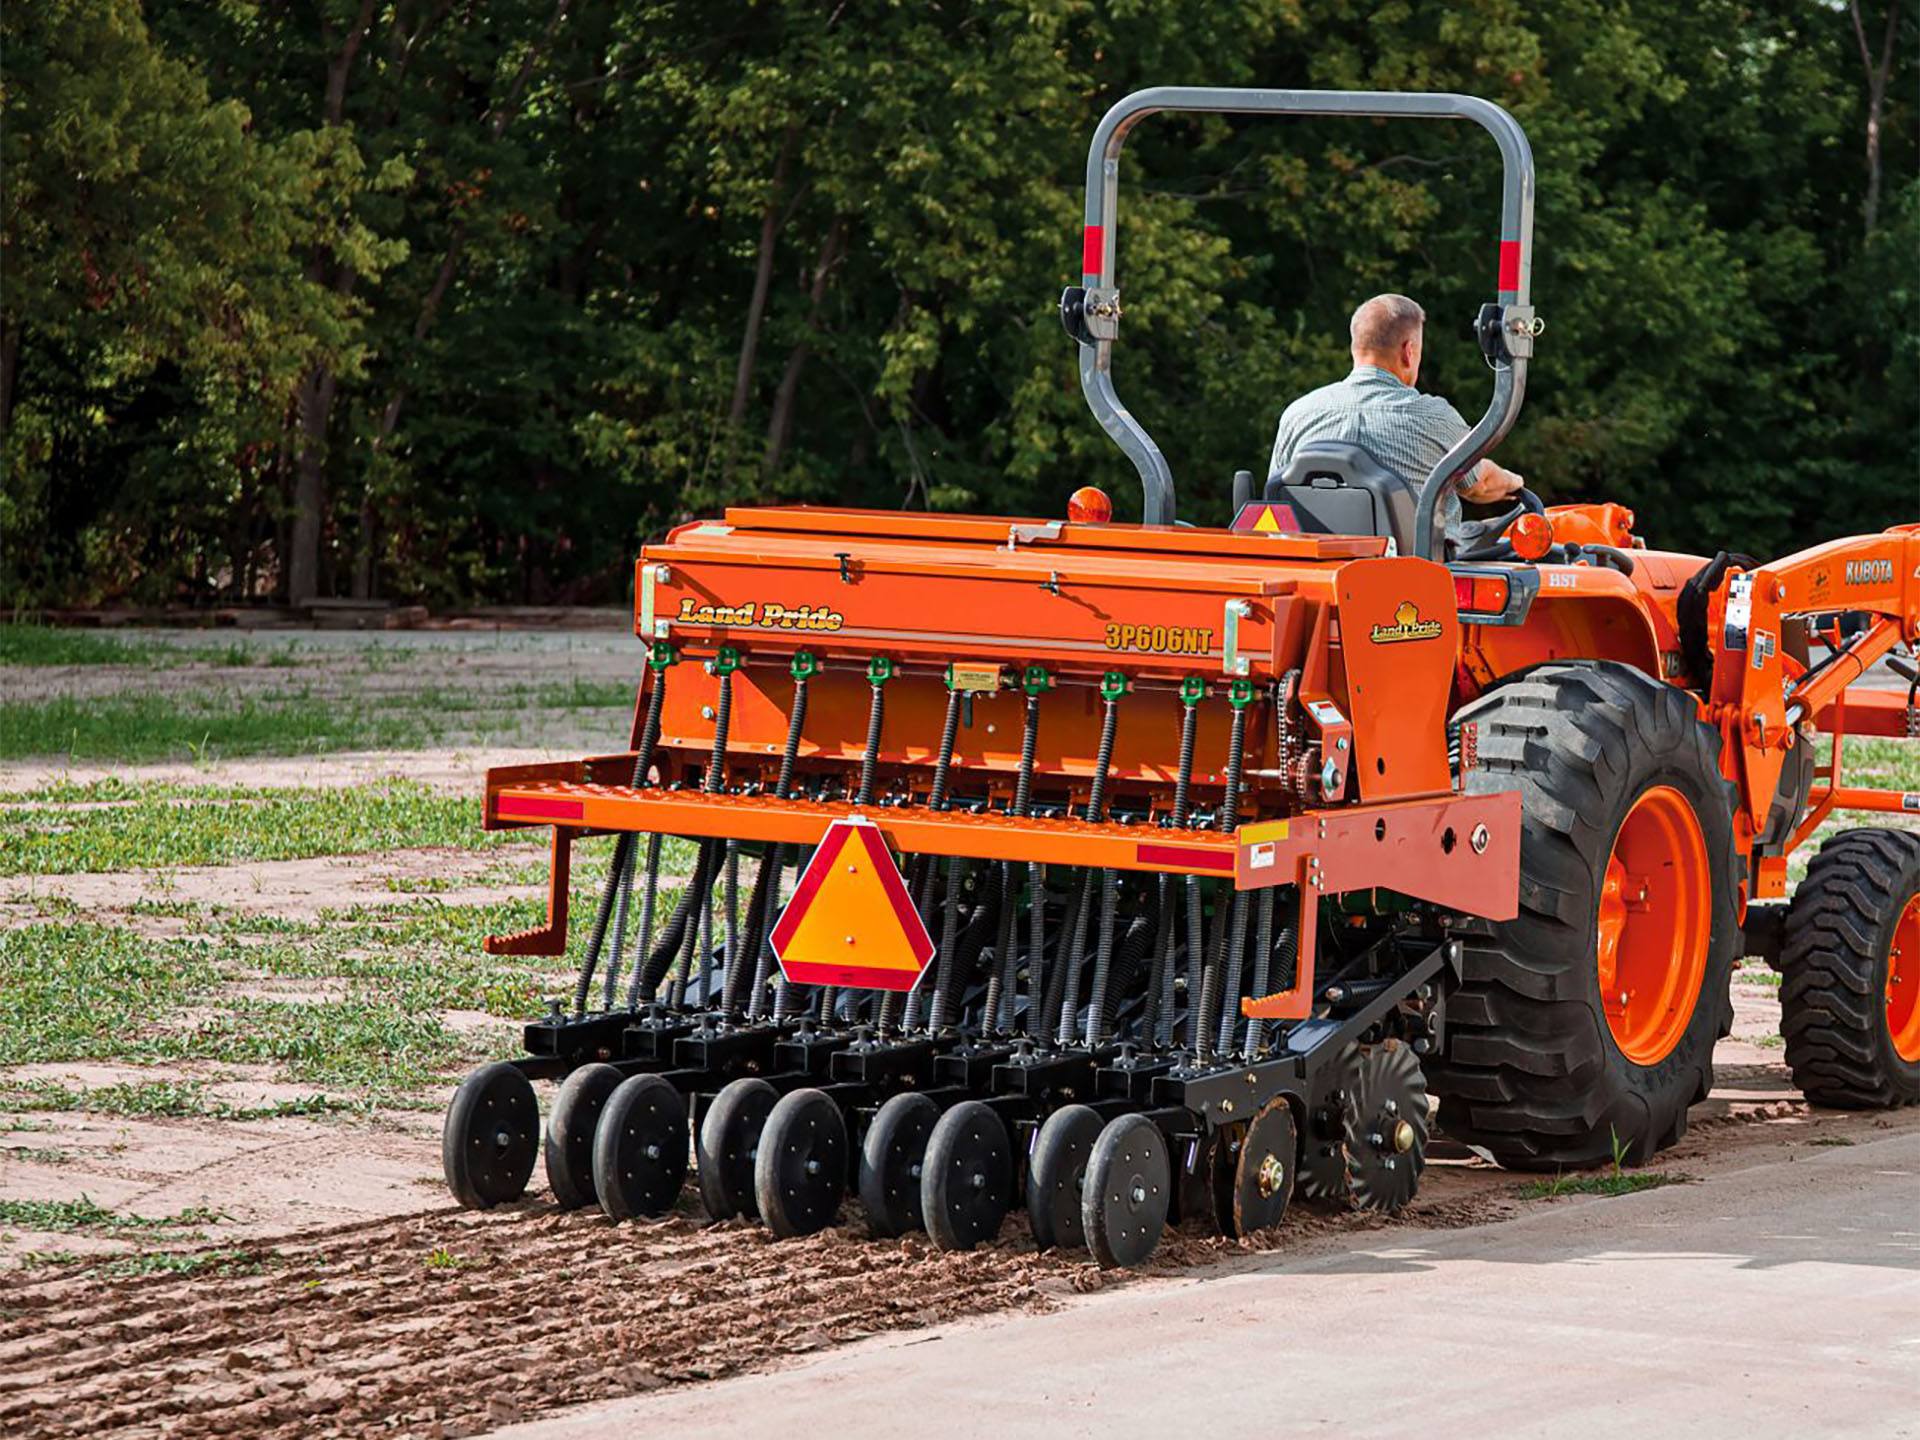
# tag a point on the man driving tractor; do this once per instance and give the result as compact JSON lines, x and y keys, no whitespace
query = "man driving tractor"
{"x":1377,"y":408}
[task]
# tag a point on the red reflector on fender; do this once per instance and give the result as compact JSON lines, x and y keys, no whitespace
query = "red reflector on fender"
{"x":1093,"y":245}
{"x":1509,"y":264}
{"x":1480,"y":594}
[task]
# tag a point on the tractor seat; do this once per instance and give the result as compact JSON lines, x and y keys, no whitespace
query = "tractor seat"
{"x":1336,"y":488}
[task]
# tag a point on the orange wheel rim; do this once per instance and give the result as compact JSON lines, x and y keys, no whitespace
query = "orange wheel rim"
{"x":1655,"y":920}
{"x":1903,"y":983}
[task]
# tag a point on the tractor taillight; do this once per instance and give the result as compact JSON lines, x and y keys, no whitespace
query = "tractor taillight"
{"x":1089,"y":505}
{"x":1480,"y":594}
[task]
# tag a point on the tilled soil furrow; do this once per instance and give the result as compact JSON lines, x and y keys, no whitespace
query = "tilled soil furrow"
{"x":368,"y":1327}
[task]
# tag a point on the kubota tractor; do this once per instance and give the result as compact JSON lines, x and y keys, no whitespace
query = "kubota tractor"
{"x":1123,"y":872}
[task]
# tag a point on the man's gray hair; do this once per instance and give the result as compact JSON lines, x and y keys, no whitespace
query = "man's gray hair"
{"x":1383,"y":324}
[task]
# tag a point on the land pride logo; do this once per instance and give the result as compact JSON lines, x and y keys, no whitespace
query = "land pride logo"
{"x":1407,"y":625}
{"x":764,"y":614}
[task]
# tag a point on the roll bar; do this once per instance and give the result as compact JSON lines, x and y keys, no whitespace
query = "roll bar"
{"x":1091,"y":310}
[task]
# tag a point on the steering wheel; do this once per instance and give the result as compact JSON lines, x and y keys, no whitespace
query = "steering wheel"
{"x":1487,"y":539}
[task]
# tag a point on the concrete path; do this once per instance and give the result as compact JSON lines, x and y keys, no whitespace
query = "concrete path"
{"x":1782,"y":1300}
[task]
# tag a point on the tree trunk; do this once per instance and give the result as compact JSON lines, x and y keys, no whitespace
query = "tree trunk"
{"x":309,"y":485}
{"x":1877,"y":77}
{"x":9,"y":369}
{"x":762,"y":283}
{"x":780,"y":425}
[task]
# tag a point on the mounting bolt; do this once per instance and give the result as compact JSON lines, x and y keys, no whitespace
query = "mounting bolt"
{"x":707,"y":712}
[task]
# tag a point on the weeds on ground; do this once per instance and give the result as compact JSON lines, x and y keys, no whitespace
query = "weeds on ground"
{"x":65,"y":1216}
{"x":1617,"y":1181}
{"x":231,"y":1261}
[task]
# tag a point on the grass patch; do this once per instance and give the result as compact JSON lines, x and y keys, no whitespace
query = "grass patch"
{"x":66,"y":1216}
{"x":201,"y":725}
{"x":1625,"y":1182}
{"x":46,"y":645}
{"x":152,"y":825}
{"x":159,"y":1100}
{"x":83,"y":992}
{"x":36,"y":1157}
{"x":152,"y":1262}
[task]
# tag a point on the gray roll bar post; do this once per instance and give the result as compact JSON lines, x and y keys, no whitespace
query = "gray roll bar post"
{"x":1510,"y":343}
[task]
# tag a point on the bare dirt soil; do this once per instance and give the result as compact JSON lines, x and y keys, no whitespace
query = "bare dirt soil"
{"x":424,"y":1319}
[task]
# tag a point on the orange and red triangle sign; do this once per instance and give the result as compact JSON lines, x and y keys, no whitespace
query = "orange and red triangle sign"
{"x":1264,"y":518}
{"x":851,"y":921}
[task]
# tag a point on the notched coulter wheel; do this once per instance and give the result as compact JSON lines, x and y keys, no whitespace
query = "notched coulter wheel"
{"x":570,"y":1131}
{"x":1386,"y":1128}
{"x":640,"y":1149}
{"x":490,"y":1137}
{"x":1850,"y":996}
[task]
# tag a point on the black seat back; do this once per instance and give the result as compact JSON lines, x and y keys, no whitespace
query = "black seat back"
{"x":1336,"y":488}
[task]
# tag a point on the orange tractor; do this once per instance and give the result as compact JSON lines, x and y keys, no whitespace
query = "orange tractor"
{"x":1125,"y":873}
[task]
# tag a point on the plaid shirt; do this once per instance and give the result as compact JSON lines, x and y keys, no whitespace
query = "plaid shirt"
{"x":1404,"y":430}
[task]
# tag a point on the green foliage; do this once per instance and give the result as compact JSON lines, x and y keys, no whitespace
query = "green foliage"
{"x":486,"y":295}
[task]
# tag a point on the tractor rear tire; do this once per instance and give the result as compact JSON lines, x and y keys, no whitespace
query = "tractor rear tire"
{"x":1851,"y":963}
{"x":1629,"y":879}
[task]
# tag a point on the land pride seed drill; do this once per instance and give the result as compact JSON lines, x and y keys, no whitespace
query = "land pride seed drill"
{"x":1134,"y":872}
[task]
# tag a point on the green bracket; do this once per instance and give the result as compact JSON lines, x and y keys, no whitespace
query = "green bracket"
{"x":1192,"y":690}
{"x":660,"y":655}
{"x":725,"y":661}
{"x":1239,"y":693}
{"x":879,"y":670}
{"x":804,"y":666}
{"x":1035,"y":680}
{"x":1112,"y":685}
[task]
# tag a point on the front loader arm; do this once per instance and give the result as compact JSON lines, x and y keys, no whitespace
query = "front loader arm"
{"x":1760,"y":697}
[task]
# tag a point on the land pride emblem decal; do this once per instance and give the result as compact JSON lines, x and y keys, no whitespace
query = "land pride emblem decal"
{"x":1407,"y":625}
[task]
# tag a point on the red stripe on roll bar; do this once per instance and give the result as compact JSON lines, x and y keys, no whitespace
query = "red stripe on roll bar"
{"x":1509,"y":264}
{"x":1093,"y":245}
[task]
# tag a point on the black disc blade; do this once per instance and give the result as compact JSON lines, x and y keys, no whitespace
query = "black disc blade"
{"x":570,"y":1130}
{"x":1129,"y":1179}
{"x":490,"y":1137}
{"x":891,"y":1159}
{"x":967,"y":1182}
{"x":1264,"y":1170}
{"x":800,"y":1173}
{"x":640,"y":1148}
{"x":728,"y":1144}
{"x":1387,"y":1128}
{"x":1057,"y":1173}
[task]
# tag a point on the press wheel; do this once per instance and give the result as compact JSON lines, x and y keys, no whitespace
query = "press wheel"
{"x":570,"y":1130}
{"x":892,"y":1158}
{"x":1056,"y":1174}
{"x":800,"y":1172}
{"x":490,"y":1137}
{"x":1263,"y":1172}
{"x":640,"y":1148}
{"x":727,"y":1144}
{"x":967,"y":1181}
{"x":1129,"y":1181}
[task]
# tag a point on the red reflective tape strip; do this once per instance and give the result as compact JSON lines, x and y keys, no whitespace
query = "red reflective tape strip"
{"x":808,"y":972}
{"x":529,"y":807}
{"x":1509,"y":264}
{"x":1093,"y":248}
{"x":903,"y":910}
{"x":1185,"y":855}
{"x":1288,"y":520}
